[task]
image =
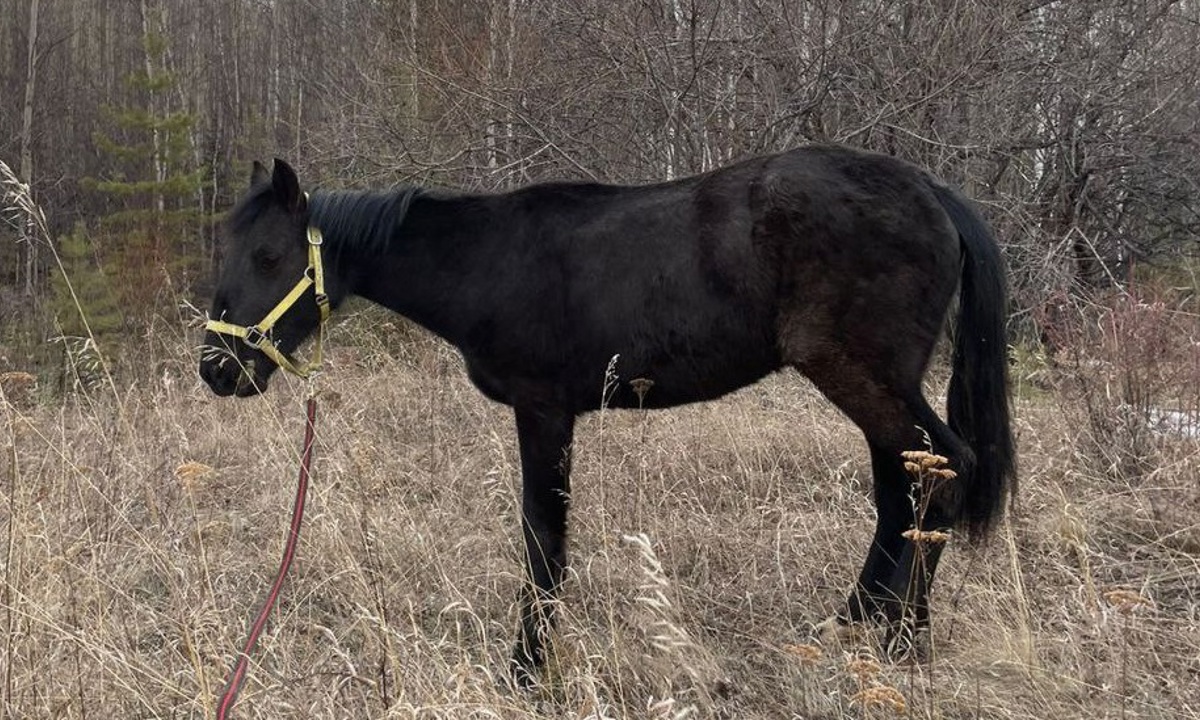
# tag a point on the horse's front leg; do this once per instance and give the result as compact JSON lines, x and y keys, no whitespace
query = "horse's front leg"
{"x":545,"y":440}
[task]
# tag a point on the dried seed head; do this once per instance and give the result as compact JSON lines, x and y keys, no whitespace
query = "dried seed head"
{"x":926,"y":536}
{"x":191,"y":474}
{"x":863,"y":668}
{"x":880,"y":696}
{"x":641,"y":385}
{"x":925,"y":459}
{"x":808,"y":654}
{"x":1127,"y":601}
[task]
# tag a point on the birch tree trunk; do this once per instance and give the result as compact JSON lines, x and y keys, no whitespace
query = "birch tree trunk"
{"x":502,"y":33}
{"x":491,"y":126}
{"x":413,"y":29}
{"x":160,"y":170}
{"x":27,"y":233}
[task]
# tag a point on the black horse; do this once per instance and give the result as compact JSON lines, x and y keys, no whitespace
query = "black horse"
{"x":840,"y":263}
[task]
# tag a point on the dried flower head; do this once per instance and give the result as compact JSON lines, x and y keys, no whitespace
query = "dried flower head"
{"x":936,"y":537}
{"x":641,"y":386}
{"x":925,"y":459}
{"x":880,"y":696}
{"x":863,"y":669}
{"x":191,"y":474}
{"x":921,"y":464}
{"x":1127,"y":601}
{"x":808,"y":654}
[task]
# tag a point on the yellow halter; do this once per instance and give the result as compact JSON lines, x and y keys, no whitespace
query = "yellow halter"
{"x":256,"y":336}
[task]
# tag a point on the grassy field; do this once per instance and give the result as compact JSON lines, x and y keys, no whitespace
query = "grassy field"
{"x":141,"y":522}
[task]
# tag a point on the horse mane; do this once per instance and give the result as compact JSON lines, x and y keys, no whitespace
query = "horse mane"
{"x":363,"y":222}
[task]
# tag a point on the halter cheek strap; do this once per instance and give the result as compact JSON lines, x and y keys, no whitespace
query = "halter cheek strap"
{"x":258,"y":336}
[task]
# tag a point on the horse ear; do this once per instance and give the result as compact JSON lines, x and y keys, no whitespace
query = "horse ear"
{"x":259,"y":174}
{"x":287,"y":187}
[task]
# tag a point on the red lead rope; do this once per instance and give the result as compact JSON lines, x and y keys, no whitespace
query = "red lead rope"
{"x":238,"y":674}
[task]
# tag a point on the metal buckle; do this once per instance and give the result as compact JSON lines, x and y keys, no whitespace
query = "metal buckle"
{"x":255,"y":337}
{"x":322,"y":300}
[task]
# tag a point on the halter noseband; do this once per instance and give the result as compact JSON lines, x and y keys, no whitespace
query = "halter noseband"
{"x":258,"y":336}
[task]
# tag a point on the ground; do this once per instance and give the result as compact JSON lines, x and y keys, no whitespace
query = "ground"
{"x":142,"y":520}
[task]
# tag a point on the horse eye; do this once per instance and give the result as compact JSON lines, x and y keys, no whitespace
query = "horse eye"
{"x":265,"y":261}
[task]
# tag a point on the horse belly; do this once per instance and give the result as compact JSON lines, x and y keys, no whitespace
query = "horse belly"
{"x":668,"y":366}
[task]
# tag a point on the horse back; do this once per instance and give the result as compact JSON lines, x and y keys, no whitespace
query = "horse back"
{"x":703,"y":285}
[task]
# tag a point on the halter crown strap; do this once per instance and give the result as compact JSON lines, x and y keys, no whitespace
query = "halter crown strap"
{"x":258,"y":336}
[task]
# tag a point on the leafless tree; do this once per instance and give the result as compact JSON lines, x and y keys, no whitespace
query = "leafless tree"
{"x":1074,"y":123}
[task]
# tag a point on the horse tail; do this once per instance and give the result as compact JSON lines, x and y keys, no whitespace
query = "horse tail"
{"x":977,"y":403}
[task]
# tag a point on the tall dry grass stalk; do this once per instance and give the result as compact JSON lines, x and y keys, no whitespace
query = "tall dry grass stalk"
{"x":685,"y":661}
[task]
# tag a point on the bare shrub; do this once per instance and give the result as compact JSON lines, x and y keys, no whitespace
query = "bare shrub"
{"x":1133,"y":368}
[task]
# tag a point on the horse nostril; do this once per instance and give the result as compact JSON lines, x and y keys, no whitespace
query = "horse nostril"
{"x":217,"y":376}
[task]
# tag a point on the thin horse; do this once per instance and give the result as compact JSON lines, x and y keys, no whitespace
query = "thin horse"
{"x":839,"y":263}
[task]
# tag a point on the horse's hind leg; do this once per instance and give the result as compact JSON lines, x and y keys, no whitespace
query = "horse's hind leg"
{"x":869,"y":599}
{"x":894,"y":583}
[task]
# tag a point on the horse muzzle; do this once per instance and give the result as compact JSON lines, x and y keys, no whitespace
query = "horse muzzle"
{"x":233,"y":373}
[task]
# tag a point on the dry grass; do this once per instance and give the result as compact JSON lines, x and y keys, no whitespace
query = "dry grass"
{"x":139,"y":531}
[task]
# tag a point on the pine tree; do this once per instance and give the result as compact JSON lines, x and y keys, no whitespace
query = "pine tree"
{"x":151,"y":238}
{"x":93,"y":305}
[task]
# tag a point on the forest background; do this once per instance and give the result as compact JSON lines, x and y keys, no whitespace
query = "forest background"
{"x":134,"y":122}
{"x":139,"y":515}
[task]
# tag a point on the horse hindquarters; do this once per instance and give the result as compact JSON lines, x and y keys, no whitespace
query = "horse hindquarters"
{"x":873,"y":261}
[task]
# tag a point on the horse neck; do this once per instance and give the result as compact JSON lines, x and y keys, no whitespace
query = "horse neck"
{"x":423,"y":265}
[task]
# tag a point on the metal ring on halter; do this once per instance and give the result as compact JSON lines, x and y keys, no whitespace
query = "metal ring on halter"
{"x":255,"y":338}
